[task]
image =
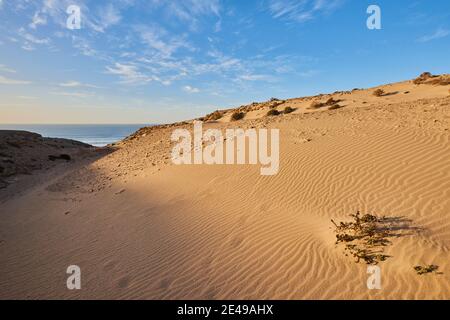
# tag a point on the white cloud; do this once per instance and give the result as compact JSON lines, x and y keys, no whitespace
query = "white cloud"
{"x":26,"y":97}
{"x":37,"y":20}
{"x":7,"y":81}
{"x":84,"y":47}
{"x":189,"y":11}
{"x":253,"y":77}
{"x":438,"y":34}
{"x":108,"y":16}
{"x":4,"y":68}
{"x":28,"y":47}
{"x":29,"y":38}
{"x":190,"y":89}
{"x":159,"y":40}
{"x":76,"y":84}
{"x":301,"y":10}
{"x":73,"y":94}
{"x":128,"y":73}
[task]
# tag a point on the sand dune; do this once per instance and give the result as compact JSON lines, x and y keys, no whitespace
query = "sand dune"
{"x":140,"y":227}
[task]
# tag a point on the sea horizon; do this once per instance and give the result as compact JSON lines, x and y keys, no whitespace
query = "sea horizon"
{"x":98,"y":135}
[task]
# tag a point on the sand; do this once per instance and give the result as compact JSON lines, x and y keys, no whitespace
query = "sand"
{"x":142,"y":228}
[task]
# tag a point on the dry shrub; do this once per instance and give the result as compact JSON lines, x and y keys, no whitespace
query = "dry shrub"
{"x":216,"y":115}
{"x":423,"y":78}
{"x":366,"y":236}
{"x":441,"y":81}
{"x":316,"y":105}
{"x":427,"y":269}
{"x":288,"y":110}
{"x":236,"y":116}
{"x":331,"y":102}
{"x":378,"y":93}
{"x":273,"y":112}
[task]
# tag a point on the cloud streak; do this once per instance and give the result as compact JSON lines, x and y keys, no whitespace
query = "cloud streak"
{"x":438,"y":34}
{"x":8,"y":81}
{"x":301,"y":10}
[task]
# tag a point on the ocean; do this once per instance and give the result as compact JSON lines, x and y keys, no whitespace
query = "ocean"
{"x":96,"y":135}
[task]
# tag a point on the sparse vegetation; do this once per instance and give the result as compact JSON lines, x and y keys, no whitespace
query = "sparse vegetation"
{"x":378,"y":93}
{"x":236,"y":116}
{"x":316,"y":105}
{"x":426,"y":269}
{"x":216,"y":115}
{"x":331,"y":102}
{"x":423,"y":78}
{"x":366,"y":236}
{"x":288,"y":110}
{"x":441,"y":81}
{"x":273,"y":112}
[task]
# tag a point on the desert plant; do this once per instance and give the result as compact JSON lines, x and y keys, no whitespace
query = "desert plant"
{"x":236,"y":116}
{"x":273,"y":112}
{"x":423,"y":78}
{"x":378,"y":92}
{"x":288,"y":110}
{"x":331,"y":102}
{"x":316,"y":105}
{"x":426,"y":269}
{"x":366,"y":236}
{"x":216,"y":115}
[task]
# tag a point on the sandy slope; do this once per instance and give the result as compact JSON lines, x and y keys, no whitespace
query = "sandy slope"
{"x":141,"y":228}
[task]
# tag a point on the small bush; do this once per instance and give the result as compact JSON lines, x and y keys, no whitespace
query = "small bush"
{"x":378,"y":92}
{"x":442,"y":81}
{"x":331,"y":102}
{"x":423,"y":78}
{"x":316,"y":105}
{"x":273,"y":112}
{"x":288,"y":110}
{"x":216,"y":115}
{"x":236,"y":116}
{"x":426,"y":269}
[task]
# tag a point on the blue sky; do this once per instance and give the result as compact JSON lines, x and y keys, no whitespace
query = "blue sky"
{"x":155,"y":61}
